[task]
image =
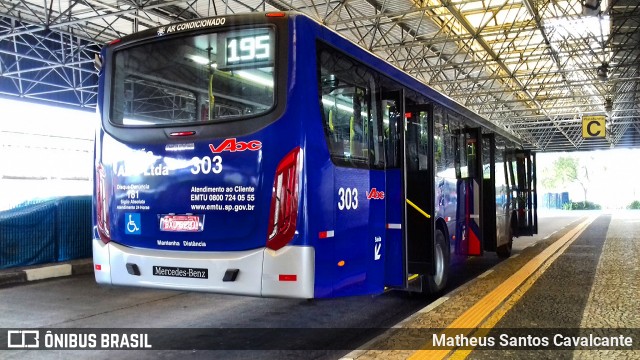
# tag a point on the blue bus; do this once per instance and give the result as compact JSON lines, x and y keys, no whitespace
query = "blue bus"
{"x":263,"y":154}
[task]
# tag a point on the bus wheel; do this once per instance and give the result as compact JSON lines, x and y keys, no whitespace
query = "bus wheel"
{"x":504,"y":251}
{"x":436,"y":282}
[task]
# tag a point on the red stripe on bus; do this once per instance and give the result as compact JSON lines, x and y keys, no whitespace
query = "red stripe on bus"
{"x":288,"y":277}
{"x":325,"y":234}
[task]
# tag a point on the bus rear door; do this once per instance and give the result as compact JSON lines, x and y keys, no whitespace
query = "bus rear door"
{"x":521,"y":176}
{"x":468,"y":164}
{"x":489,"y":208}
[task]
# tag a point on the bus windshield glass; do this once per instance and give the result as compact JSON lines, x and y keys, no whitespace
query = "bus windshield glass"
{"x":202,"y":78}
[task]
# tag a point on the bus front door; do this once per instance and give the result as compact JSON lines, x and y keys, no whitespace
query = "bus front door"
{"x":468,"y":166}
{"x":418,"y":189}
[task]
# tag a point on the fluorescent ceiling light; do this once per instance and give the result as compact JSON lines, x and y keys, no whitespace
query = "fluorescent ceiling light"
{"x":328,"y":102}
{"x":127,"y":121}
{"x":198,"y":59}
{"x":255,"y":78}
{"x":342,"y":107}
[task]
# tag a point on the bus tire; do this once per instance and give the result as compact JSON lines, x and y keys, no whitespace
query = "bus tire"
{"x":435,"y":283}
{"x":504,"y":251}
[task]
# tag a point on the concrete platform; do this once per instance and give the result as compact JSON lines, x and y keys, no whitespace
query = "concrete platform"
{"x":582,"y":276}
{"x":15,"y":276}
{"x":581,"y":282}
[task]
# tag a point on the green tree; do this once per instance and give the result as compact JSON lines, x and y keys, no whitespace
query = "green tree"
{"x":566,"y":170}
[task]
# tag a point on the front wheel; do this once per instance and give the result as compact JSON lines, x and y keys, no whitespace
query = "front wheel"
{"x":435,"y":283}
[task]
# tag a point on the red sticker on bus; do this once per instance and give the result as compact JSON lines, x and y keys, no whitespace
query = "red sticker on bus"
{"x":180,"y":223}
{"x":375,"y":194}
{"x":233,"y":145}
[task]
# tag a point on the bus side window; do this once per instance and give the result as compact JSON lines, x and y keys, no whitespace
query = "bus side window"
{"x":345,"y":98}
{"x":390,"y":119}
{"x":357,"y":135}
{"x":346,"y":122}
{"x":376,"y":138}
{"x":455,"y":140}
{"x":423,"y":140}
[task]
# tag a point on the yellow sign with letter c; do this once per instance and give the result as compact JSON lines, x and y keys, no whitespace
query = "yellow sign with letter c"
{"x":593,"y":127}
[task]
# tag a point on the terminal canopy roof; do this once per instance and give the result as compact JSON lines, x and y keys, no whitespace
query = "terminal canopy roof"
{"x":534,"y":67}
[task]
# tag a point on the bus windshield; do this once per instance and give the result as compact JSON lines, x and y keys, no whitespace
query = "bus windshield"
{"x":181,"y":80}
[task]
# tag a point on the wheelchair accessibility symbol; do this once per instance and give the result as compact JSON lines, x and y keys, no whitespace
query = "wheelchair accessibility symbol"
{"x":132,"y":224}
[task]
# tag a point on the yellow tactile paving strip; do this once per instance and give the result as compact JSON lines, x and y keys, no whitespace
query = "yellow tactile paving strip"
{"x":486,"y":309}
{"x":497,"y":315}
{"x":481,"y":310}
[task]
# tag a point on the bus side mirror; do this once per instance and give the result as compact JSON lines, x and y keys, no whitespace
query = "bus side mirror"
{"x":97,"y":62}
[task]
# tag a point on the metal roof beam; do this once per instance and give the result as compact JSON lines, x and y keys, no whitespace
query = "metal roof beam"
{"x":115,"y":12}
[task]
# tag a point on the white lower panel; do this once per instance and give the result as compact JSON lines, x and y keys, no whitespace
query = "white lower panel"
{"x":248,"y":262}
{"x":293,"y":260}
{"x":280,"y":268}
{"x":101,"y":265}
